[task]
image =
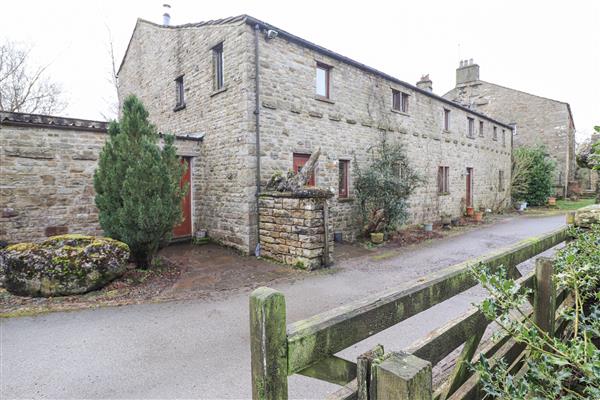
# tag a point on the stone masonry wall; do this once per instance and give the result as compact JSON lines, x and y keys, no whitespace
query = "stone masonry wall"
{"x":539,"y":121}
{"x":47,"y":185}
{"x":356,"y":117}
{"x":224,"y":195}
{"x":292,"y":230}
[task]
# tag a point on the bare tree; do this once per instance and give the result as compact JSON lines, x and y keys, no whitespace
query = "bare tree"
{"x":113,"y":102}
{"x":25,"y":87}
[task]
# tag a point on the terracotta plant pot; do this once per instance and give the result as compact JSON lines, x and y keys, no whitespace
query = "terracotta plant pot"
{"x":470,"y":211}
{"x":551,"y":201}
{"x":377,"y":237}
{"x":478,"y":216}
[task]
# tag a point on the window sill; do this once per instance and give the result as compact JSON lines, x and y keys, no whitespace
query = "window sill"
{"x":471,"y":137}
{"x":216,"y":92}
{"x":446,"y":131}
{"x":345,"y":199}
{"x":324,"y":99}
{"x":400,"y":112}
{"x":179,"y":107}
{"x":443,"y":194}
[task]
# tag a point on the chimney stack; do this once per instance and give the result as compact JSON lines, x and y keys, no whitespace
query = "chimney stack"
{"x":425,"y":83}
{"x":166,"y":15}
{"x":466,"y":72}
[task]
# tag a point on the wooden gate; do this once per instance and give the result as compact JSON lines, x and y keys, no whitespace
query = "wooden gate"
{"x":308,"y":347}
{"x":185,"y":228}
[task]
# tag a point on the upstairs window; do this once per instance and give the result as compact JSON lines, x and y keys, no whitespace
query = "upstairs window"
{"x":495,"y":136}
{"x":179,"y":93}
{"x":480,"y":128}
{"x":323,"y":80}
{"x":446,"y":120}
{"x":299,"y":161}
{"x":343,"y":178}
{"x":503,"y":137}
{"x":399,"y":101}
{"x":471,"y":127}
{"x":219,"y":80}
{"x":443,"y":180}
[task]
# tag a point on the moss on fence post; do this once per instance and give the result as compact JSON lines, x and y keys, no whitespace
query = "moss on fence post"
{"x":268,"y":345}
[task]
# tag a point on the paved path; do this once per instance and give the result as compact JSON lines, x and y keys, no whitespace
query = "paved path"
{"x":199,"y":349}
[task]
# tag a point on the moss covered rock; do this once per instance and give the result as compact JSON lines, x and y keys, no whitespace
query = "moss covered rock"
{"x":587,"y":216}
{"x":62,"y":265}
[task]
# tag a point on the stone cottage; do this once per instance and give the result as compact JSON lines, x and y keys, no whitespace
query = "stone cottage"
{"x":265,"y":99}
{"x":537,"y":120}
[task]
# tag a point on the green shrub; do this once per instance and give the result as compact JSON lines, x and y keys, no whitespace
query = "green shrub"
{"x":137,"y":184}
{"x":384,"y":186}
{"x":564,"y":367}
{"x":532,"y":175}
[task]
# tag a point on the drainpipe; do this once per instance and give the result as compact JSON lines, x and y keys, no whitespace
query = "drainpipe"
{"x":257,"y":138}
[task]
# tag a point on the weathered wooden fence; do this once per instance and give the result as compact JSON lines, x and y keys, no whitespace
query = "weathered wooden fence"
{"x":308,"y":347}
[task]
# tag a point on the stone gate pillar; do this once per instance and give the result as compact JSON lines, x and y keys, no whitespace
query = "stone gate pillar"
{"x":295,"y":228}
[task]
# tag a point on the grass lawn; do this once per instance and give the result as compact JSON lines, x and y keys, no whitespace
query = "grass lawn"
{"x":573,"y":205}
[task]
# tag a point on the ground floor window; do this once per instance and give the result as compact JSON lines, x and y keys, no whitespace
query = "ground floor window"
{"x":501,"y":181}
{"x":343,"y":178}
{"x":299,"y":161}
{"x":443,"y":180}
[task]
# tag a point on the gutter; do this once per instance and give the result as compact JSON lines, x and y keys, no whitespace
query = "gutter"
{"x":257,"y":134}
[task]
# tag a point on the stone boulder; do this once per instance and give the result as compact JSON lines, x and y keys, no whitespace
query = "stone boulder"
{"x":62,"y":265}
{"x":587,"y":216}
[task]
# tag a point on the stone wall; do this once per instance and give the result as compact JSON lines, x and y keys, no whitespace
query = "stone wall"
{"x":292,"y":229}
{"x":355,"y":118}
{"x":47,"y":182}
{"x":47,"y":168}
{"x":224,"y":194}
{"x":539,"y":120}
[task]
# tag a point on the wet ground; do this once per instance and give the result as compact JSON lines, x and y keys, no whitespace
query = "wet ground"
{"x":199,"y":348}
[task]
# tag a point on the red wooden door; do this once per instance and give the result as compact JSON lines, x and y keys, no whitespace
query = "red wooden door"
{"x":185,"y":228}
{"x":469,"y":196}
{"x":299,"y":161}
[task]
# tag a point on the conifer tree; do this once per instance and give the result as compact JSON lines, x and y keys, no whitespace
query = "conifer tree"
{"x":137,"y":184}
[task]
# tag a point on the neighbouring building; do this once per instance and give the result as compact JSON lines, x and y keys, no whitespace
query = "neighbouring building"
{"x":537,"y":120}
{"x":264,"y":100}
{"x":47,"y":167}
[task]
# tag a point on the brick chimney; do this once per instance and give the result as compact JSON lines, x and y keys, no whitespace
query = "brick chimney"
{"x":466,"y":72}
{"x":425,"y":83}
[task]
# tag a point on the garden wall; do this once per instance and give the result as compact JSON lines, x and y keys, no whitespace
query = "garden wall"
{"x":292,"y":228}
{"x":47,"y":169}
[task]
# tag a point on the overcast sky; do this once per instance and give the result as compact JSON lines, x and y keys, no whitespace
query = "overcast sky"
{"x":548,"y":48}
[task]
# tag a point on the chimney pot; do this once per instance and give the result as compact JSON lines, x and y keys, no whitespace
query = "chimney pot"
{"x":468,"y":71}
{"x":166,"y":15}
{"x":425,"y":83}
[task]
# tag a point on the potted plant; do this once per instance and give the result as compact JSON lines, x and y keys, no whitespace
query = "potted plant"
{"x":478,"y":216}
{"x":551,"y":201}
{"x":377,"y":237}
{"x":446,"y":219}
{"x":470,"y":211}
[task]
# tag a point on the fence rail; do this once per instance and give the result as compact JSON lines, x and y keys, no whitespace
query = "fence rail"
{"x":308,"y":347}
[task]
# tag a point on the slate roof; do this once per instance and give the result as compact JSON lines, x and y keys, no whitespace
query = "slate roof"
{"x":50,"y":121}
{"x":244,"y":18}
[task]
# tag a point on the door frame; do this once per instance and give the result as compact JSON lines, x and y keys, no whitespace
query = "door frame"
{"x":191,"y":192}
{"x":469,"y":187}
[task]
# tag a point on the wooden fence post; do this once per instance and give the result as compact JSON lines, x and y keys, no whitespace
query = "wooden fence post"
{"x":402,"y":376}
{"x":268,"y":345}
{"x":363,"y":372}
{"x":544,"y":306}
